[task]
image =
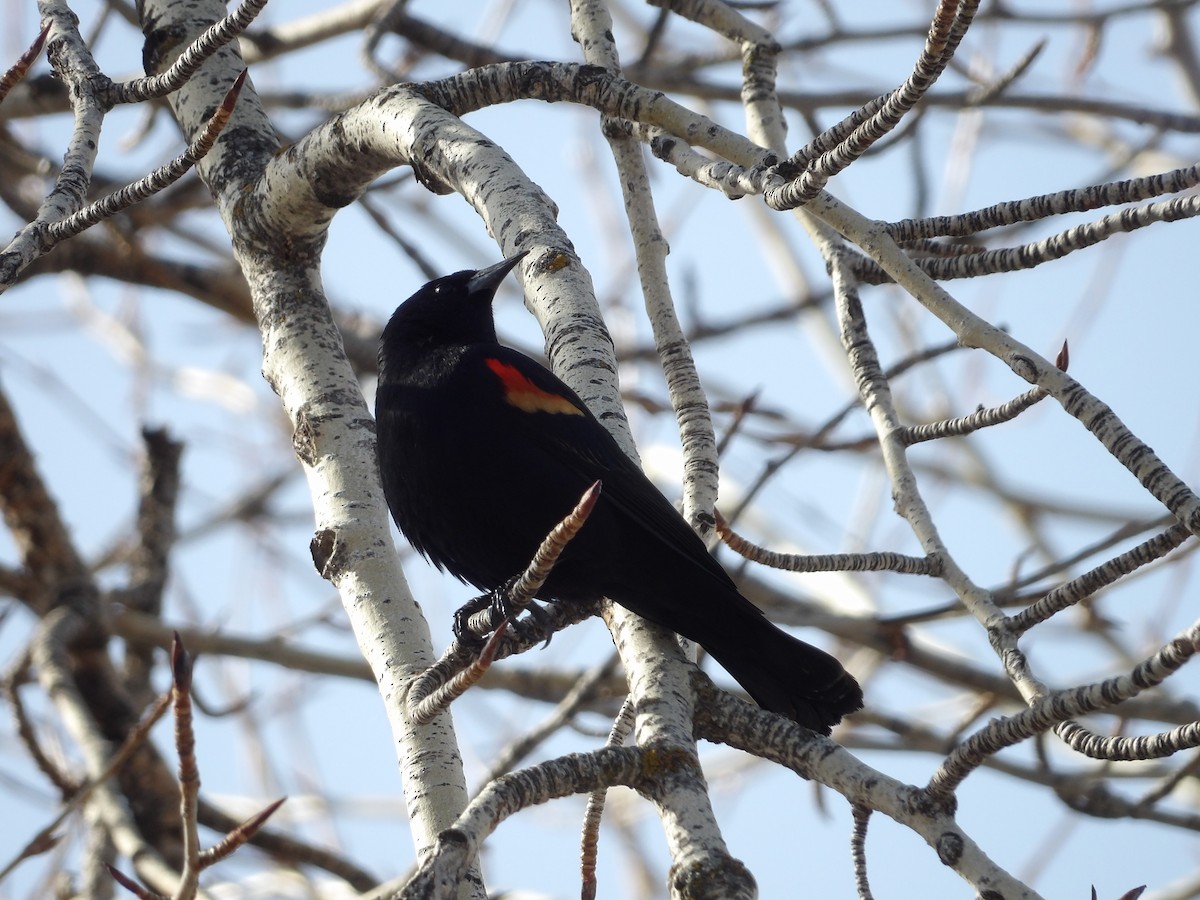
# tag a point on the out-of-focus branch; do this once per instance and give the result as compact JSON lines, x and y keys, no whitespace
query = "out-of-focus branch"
{"x":48,"y":557}
{"x":156,"y":533}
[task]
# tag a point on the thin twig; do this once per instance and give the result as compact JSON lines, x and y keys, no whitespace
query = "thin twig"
{"x":190,"y":60}
{"x":590,"y":837}
{"x":858,"y":851}
{"x":153,"y":183}
{"x":189,"y":769}
{"x":982,"y":418}
{"x":18,"y":69}
{"x":1057,"y":709}
{"x":243,"y":834}
{"x":435,"y":680}
{"x":525,"y":588}
{"x":423,"y":707}
{"x":828,"y":562}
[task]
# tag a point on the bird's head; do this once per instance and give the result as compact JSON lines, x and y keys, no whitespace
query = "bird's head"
{"x":451,"y":310}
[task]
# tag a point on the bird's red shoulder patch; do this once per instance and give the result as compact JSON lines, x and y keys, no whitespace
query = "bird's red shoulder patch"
{"x":521,"y":392}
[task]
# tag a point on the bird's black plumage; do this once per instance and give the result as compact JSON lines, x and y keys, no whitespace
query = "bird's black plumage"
{"x":482,"y":451}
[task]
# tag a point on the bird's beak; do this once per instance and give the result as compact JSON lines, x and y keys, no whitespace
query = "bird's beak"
{"x":484,"y":282}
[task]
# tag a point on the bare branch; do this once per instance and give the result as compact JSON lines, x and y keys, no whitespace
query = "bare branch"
{"x":426,"y":704}
{"x":189,"y":62}
{"x":1054,"y":710}
{"x":983,"y":418}
{"x":831,"y":562}
{"x":189,"y":770}
{"x":153,"y":183}
{"x":950,"y":23}
{"x":1109,"y":572}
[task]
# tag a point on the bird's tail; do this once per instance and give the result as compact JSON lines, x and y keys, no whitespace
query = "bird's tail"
{"x":785,"y":675}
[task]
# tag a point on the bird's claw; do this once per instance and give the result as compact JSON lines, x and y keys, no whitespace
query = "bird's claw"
{"x":537,"y":618}
{"x":463,"y":633}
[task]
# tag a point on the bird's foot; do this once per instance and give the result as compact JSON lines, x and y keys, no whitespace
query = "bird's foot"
{"x":529,"y":628}
{"x":463,"y":632}
{"x":499,"y":606}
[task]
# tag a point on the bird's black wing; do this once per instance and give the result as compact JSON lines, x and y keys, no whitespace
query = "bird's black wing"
{"x":645,"y":556}
{"x":559,"y":422}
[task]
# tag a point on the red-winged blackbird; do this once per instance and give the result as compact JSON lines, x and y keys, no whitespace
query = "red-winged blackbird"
{"x":483,"y":451}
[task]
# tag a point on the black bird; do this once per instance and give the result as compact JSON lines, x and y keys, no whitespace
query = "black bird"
{"x":482,"y":451}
